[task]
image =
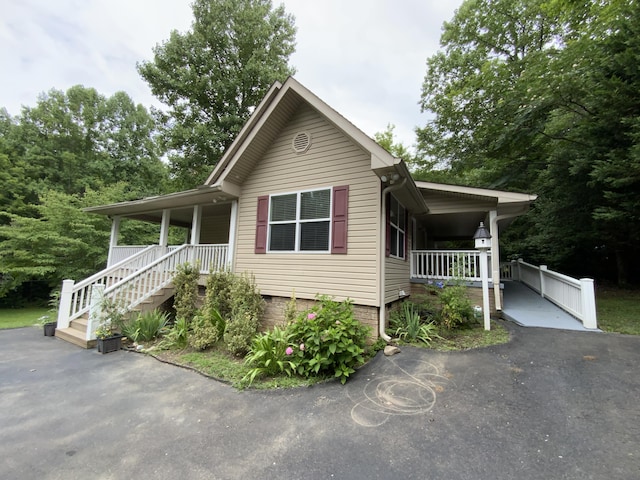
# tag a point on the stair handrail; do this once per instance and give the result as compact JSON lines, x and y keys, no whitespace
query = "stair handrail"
{"x":156,"y":274}
{"x":75,"y":297}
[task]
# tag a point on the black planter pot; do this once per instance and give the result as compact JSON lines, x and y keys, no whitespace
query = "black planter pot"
{"x":50,"y":329}
{"x":111,"y":344}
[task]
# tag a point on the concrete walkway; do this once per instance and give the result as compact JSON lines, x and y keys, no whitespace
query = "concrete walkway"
{"x":528,"y":309}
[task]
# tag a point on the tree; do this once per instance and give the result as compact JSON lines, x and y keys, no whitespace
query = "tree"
{"x":73,"y":149}
{"x":386,"y":140}
{"x":213,"y":76}
{"x":474,"y":86}
{"x":77,"y":139}
{"x":543,"y":96}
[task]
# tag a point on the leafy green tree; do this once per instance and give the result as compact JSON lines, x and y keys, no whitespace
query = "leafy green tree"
{"x":544,"y":97}
{"x":474,"y":87}
{"x":213,"y":76}
{"x":80,"y":139}
{"x":73,"y":149}
{"x":63,"y":241}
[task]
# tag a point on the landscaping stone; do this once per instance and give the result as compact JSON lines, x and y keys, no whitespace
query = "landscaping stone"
{"x":391,"y":350}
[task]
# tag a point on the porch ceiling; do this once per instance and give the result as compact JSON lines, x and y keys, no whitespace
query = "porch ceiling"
{"x":453,"y":226}
{"x":181,"y":204}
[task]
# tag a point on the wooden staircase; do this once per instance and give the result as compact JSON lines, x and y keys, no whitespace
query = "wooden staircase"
{"x":76,"y":333}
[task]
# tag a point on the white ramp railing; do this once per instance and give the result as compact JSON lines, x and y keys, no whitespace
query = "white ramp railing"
{"x":576,"y":297}
{"x":446,"y":264}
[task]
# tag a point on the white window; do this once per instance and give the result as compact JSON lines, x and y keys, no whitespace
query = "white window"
{"x":300,"y":221}
{"x":397,"y":227}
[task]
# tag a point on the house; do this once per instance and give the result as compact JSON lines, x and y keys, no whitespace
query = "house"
{"x":307,"y":203}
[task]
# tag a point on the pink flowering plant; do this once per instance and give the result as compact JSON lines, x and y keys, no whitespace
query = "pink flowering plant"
{"x":329,"y":340}
{"x":325,"y":340}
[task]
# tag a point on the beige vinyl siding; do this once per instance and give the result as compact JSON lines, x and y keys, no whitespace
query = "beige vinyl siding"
{"x":332,"y":160}
{"x":398,"y":275}
{"x":450,"y":203}
{"x":214,"y":229}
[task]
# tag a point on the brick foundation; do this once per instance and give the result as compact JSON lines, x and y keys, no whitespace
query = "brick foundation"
{"x":275,"y":306}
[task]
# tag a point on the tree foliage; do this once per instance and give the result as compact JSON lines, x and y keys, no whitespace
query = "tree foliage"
{"x":72,"y":150}
{"x":544,"y":96}
{"x":213,"y":76}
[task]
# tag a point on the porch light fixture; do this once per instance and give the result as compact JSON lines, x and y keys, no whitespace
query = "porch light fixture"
{"x":482,"y":239}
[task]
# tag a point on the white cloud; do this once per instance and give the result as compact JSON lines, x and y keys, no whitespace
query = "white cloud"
{"x":365,"y":58}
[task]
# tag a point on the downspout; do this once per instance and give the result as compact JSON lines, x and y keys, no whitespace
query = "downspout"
{"x":383,"y":259}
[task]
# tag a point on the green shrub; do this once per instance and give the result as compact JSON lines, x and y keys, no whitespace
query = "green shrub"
{"x":456,"y":307}
{"x":269,"y":354}
{"x":218,"y":295}
{"x":240,"y":332}
{"x":177,"y":336}
{"x":185,"y":299}
{"x":408,"y":324}
{"x":330,"y":340}
{"x":204,"y":332}
{"x":290,"y":310}
{"x":245,"y":296}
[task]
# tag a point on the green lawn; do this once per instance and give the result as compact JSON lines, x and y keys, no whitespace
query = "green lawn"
{"x":618,"y":310}
{"x":22,"y":317}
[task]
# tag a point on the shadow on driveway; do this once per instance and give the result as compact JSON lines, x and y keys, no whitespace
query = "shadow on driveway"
{"x":548,"y":405}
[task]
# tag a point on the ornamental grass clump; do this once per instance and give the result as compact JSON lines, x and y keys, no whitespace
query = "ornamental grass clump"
{"x":408,"y":325}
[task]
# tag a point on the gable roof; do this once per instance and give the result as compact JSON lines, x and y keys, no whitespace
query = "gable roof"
{"x":268,"y":118}
{"x":277,"y":107}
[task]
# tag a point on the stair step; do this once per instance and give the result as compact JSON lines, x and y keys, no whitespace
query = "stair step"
{"x":79,"y":324}
{"x":74,"y":336}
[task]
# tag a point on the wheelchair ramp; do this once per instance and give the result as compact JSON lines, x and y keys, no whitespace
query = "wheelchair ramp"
{"x":528,"y":309}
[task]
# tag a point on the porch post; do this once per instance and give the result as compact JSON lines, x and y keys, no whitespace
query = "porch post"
{"x":196,"y":225}
{"x":495,"y":258}
{"x":164,"y":230}
{"x":113,"y":241}
{"x":233,"y":226}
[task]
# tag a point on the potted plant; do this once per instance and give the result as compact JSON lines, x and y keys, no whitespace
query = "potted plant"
{"x":108,"y":339}
{"x":49,"y":326}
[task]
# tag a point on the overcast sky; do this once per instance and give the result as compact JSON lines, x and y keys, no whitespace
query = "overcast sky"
{"x":365,"y":58}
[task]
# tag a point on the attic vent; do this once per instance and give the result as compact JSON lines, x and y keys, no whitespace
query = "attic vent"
{"x":301,"y":142}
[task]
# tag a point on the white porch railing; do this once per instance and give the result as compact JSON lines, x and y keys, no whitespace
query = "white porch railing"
{"x":120,"y":253}
{"x":576,"y":297}
{"x":136,"y":278}
{"x":447,"y":264}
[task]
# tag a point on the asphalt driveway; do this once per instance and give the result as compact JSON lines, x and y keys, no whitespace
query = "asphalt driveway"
{"x":548,"y":405}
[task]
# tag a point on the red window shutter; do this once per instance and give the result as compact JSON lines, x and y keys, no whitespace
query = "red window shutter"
{"x":262,"y":224}
{"x":388,"y":227}
{"x":339,"y":219}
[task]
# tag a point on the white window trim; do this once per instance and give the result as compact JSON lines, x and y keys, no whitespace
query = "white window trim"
{"x":397,"y":231}
{"x":298,"y":222}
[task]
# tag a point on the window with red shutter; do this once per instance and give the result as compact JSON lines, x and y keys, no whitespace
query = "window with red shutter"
{"x":262,"y":224}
